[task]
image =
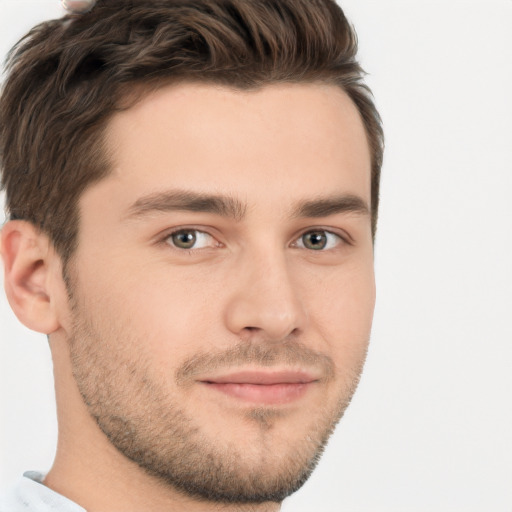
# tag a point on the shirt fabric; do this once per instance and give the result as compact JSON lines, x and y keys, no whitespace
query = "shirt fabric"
{"x":29,"y":494}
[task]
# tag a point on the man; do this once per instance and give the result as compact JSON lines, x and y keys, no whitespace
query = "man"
{"x":193,"y":191}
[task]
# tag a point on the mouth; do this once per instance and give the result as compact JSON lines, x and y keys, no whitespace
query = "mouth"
{"x":263,"y":387}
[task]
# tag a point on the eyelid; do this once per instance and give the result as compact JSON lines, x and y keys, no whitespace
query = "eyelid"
{"x":166,"y":236}
{"x":344,"y":237}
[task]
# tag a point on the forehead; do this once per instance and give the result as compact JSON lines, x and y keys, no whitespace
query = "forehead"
{"x":280,"y":141}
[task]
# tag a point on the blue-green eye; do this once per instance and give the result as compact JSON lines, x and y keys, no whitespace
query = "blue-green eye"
{"x":319,"y":240}
{"x":191,"y":239}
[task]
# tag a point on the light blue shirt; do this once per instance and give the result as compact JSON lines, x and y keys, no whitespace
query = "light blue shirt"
{"x":29,"y":494}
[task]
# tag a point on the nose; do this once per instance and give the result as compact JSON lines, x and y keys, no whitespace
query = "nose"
{"x":265,"y":303}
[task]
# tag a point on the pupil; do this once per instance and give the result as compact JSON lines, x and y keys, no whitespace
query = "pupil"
{"x":315,"y":241}
{"x":184,"y":239}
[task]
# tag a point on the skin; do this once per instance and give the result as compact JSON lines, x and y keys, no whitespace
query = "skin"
{"x":145,"y":325}
{"x":78,"y":6}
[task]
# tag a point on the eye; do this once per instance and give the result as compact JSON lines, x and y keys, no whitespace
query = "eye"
{"x":191,"y":239}
{"x":319,"y":240}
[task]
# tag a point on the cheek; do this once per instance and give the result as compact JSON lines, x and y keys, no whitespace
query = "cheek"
{"x":163,"y":317}
{"x":341,"y":310}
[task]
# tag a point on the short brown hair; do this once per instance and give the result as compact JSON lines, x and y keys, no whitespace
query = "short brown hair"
{"x":67,"y":77}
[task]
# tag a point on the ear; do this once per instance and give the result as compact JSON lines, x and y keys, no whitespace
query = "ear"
{"x":28,"y":259}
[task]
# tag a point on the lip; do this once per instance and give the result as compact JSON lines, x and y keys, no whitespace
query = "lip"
{"x":263,"y":387}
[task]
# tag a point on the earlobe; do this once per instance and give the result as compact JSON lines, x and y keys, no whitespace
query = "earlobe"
{"x":26,"y":255}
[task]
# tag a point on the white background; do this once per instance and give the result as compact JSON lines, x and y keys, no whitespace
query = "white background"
{"x":430,"y":428}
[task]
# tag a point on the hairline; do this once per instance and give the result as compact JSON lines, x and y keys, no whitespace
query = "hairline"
{"x":131,"y":79}
{"x":130,"y":94}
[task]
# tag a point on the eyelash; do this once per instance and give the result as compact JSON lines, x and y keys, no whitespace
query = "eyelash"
{"x":330,"y":234}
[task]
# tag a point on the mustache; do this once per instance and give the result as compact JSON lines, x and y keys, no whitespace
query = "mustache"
{"x":266,"y":354}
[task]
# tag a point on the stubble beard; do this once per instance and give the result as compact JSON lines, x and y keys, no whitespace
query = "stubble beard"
{"x":149,"y":426}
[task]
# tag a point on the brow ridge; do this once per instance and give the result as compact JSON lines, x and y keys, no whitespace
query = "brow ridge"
{"x":324,"y":207}
{"x":180,"y":200}
{"x":227,"y":206}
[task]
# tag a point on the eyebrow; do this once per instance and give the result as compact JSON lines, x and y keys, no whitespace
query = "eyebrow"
{"x":226,"y":206}
{"x":323,"y":207}
{"x":179,"y":200}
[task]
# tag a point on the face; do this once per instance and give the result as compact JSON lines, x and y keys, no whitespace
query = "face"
{"x":223,"y":289}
